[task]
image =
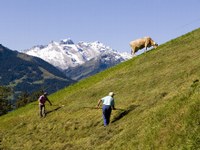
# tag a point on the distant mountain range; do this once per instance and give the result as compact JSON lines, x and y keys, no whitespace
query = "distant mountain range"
{"x":23,"y":72}
{"x":55,"y":65}
{"x":80,"y":60}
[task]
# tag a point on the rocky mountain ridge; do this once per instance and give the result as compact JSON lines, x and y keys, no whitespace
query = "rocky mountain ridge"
{"x":71,"y":58}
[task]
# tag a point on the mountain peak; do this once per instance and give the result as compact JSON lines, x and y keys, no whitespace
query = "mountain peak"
{"x":66,"y":41}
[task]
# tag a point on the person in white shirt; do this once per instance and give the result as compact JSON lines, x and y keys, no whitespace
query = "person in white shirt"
{"x":108,"y":105}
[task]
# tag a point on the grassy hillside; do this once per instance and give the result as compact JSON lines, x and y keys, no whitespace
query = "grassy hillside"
{"x":157,"y":92}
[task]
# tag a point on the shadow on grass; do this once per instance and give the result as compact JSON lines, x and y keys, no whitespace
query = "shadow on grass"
{"x":53,"y":110}
{"x":124,"y":113}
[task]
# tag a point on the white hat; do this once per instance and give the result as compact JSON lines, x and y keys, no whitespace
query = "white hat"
{"x":111,"y":94}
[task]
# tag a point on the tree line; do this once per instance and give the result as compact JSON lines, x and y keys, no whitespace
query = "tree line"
{"x":6,"y":99}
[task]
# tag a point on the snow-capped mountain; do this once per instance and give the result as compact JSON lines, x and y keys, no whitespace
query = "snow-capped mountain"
{"x":66,"y":55}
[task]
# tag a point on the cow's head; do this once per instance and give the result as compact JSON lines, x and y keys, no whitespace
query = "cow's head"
{"x":155,"y":45}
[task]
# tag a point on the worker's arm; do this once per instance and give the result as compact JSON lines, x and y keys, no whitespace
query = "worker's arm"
{"x":99,"y":102}
{"x":49,"y":101}
{"x":113,"y":105}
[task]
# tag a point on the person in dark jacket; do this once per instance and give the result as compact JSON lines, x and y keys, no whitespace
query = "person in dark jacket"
{"x":42,"y":99}
{"x":108,"y":105}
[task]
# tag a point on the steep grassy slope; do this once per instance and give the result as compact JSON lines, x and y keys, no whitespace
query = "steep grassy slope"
{"x":157,"y":93}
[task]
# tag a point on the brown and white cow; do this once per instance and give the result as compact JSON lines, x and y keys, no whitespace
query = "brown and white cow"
{"x":142,"y":43}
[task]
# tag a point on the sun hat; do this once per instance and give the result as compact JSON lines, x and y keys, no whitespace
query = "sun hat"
{"x":111,"y":94}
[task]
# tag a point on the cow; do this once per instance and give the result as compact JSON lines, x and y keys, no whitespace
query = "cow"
{"x":142,"y":43}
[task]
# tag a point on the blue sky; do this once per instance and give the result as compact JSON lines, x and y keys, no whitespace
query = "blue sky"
{"x":26,"y":23}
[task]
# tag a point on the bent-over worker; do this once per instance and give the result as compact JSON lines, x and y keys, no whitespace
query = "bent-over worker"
{"x":108,"y":105}
{"x":42,"y":99}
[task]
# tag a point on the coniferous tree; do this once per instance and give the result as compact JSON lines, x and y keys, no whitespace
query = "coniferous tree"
{"x":25,"y":98}
{"x":5,"y":104}
{"x":22,"y":100}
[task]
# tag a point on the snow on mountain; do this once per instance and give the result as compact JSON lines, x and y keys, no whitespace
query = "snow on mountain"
{"x":65,"y":54}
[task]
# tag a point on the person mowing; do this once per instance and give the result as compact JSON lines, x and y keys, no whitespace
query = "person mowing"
{"x":108,"y":105}
{"x":42,"y":99}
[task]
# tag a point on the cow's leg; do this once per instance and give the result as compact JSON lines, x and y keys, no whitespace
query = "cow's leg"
{"x":146,"y":45}
{"x":133,"y":52}
{"x":145,"y":49}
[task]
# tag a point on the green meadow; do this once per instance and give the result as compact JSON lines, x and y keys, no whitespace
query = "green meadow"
{"x":158,"y":101}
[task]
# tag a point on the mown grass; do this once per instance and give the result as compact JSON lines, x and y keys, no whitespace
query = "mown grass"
{"x":157,"y":92}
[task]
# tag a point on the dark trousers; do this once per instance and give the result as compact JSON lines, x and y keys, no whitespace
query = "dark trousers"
{"x":42,"y":110}
{"x":106,"y":114}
